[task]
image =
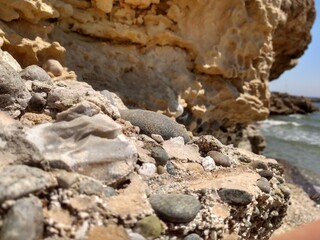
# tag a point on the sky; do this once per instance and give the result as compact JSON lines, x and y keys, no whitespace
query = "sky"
{"x":304,"y":79}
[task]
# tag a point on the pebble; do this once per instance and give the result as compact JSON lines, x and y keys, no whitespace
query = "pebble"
{"x":208,"y":143}
{"x":90,"y":187}
{"x":175,"y":208}
{"x":155,"y":123}
{"x":264,"y":185}
{"x":171,"y":168}
{"x":24,"y":221}
{"x":193,"y":236}
{"x":285,"y":190}
{"x":150,"y":227}
{"x":208,"y":163}
{"x":109,"y":192}
{"x":161,"y":170}
{"x":258,"y":165}
{"x":37,"y":102}
{"x":34,"y":72}
{"x":266,"y":174}
{"x":160,"y":155}
{"x":158,"y":138}
{"x":53,"y":66}
{"x":67,"y":179}
{"x":147,"y":169}
{"x":220,"y":159}
{"x":235,"y":196}
{"x":19,"y":180}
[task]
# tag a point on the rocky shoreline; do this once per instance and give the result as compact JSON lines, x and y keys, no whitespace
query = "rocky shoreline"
{"x":77,"y":164}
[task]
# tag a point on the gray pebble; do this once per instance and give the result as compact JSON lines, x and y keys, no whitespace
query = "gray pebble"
{"x":109,"y":192}
{"x":171,"y":169}
{"x":160,"y":155}
{"x":266,"y":174}
{"x":285,"y":190}
{"x":34,"y":72}
{"x":235,"y":196}
{"x":193,"y":236}
{"x":24,"y":221}
{"x":90,"y":187}
{"x":154,"y":123}
{"x":220,"y":159}
{"x":264,"y":185}
{"x":176,"y":208}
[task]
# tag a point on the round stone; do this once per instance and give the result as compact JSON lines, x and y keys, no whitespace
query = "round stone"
{"x":220,"y":159}
{"x":161,"y":170}
{"x":150,"y":227}
{"x":193,"y":236}
{"x":175,"y":208}
{"x":266,"y":174}
{"x":147,"y":169}
{"x":208,"y":163}
{"x":235,"y":196}
{"x":34,"y":72}
{"x":154,"y":123}
{"x":171,"y":169}
{"x":53,"y":66}
{"x":37,"y":102}
{"x":285,"y":190}
{"x":264,"y":185}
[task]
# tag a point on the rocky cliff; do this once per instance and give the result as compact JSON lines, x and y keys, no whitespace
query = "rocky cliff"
{"x":208,"y":62}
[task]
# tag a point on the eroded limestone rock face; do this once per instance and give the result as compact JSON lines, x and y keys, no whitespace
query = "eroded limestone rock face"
{"x":210,"y":59}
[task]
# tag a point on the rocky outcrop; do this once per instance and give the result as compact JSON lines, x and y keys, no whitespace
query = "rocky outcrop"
{"x":285,"y":104}
{"x":206,"y":61}
{"x":78,"y":170}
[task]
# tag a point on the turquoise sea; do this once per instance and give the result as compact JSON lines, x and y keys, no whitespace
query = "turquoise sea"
{"x":295,"y":138}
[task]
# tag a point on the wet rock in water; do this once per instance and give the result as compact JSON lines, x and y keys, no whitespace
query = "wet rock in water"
{"x":37,"y":102}
{"x":193,"y":236}
{"x":19,"y":180}
{"x":208,"y":163}
{"x":220,"y":159}
{"x":53,"y":66}
{"x":258,"y":165}
{"x":93,"y":146}
{"x":147,"y":169}
{"x":264,"y":185}
{"x":155,"y":123}
{"x":14,"y":95}
{"x":34,"y":72}
{"x":175,"y":208}
{"x":235,"y":196}
{"x":266,"y":174}
{"x":170,"y":168}
{"x":150,"y":227}
{"x":24,"y":221}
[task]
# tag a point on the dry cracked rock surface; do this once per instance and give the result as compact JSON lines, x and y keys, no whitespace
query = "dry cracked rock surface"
{"x":73,"y":166}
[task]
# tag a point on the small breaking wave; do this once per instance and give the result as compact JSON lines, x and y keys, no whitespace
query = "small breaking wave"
{"x":272,"y":122}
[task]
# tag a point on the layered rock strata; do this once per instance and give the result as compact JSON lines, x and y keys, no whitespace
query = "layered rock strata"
{"x":206,"y":61}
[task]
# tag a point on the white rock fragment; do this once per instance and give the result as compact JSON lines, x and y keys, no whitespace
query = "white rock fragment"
{"x":208,"y":163}
{"x":158,"y":138}
{"x":147,"y":169}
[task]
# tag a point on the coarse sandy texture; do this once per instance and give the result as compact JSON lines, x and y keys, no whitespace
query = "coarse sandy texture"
{"x":301,"y":211}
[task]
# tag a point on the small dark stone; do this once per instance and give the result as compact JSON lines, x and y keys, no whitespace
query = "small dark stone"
{"x":37,"y":102}
{"x":258,"y":165}
{"x":235,"y":196}
{"x":264,"y":185}
{"x":154,"y":123}
{"x":266,"y":174}
{"x":34,"y":72}
{"x":160,"y":155}
{"x":193,"y":236}
{"x":175,"y":208}
{"x":285,"y":190}
{"x":171,"y":169}
{"x":220,"y":159}
{"x":161,"y":170}
{"x":24,"y":221}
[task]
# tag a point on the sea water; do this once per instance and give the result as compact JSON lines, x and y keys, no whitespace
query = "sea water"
{"x":295,"y":138}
